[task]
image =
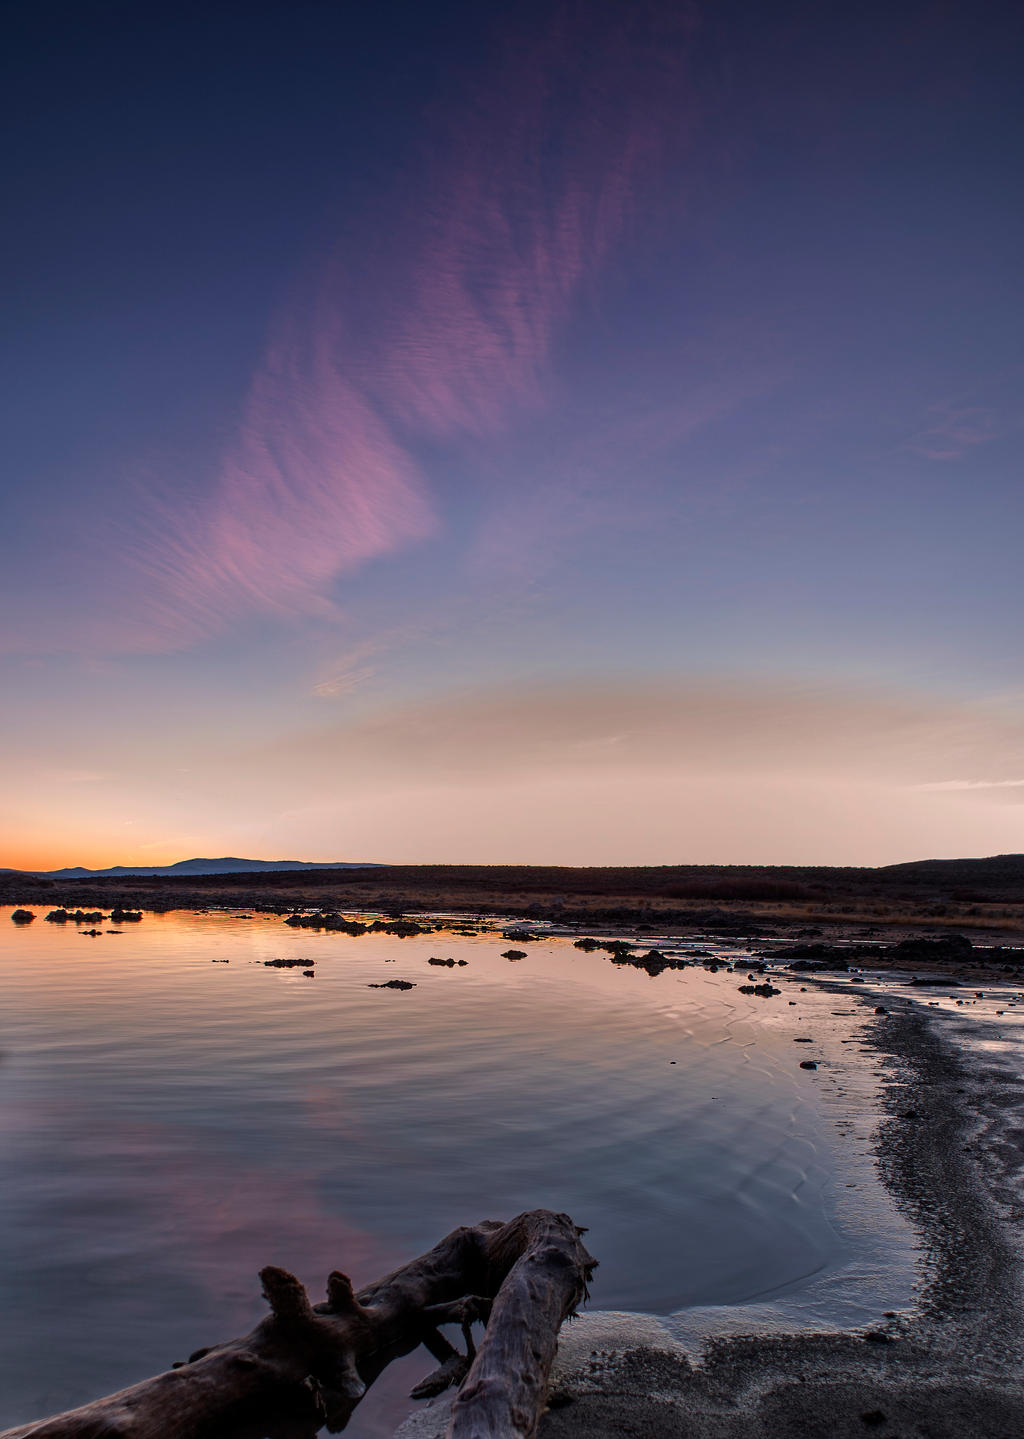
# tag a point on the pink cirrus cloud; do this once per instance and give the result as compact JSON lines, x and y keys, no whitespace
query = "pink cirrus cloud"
{"x":312,"y":487}
{"x":440,"y":326}
{"x":544,"y":169}
{"x":954,"y":433}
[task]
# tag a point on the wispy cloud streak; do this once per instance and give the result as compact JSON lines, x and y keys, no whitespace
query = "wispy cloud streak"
{"x":987,"y":410}
{"x":954,"y":432}
{"x":951,"y":785}
{"x":442,"y":327}
{"x":545,"y":167}
{"x":709,"y":727}
{"x":312,"y":487}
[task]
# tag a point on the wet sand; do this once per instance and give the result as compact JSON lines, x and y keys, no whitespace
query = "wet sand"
{"x":950,"y":1148}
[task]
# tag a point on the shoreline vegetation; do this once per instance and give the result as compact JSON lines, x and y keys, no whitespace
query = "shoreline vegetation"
{"x":982,"y":898}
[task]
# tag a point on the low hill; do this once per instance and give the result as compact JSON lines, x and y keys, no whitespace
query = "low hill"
{"x":1000,"y":876}
{"x":185,"y":867}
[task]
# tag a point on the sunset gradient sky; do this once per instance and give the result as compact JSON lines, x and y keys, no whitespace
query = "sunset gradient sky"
{"x":562,"y":433}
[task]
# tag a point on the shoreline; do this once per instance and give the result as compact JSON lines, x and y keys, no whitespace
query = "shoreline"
{"x":981,"y":898}
{"x":950,"y":1150}
{"x":920,"y":946}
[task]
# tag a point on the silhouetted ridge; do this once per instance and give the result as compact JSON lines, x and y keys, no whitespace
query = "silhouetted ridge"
{"x":230,"y":864}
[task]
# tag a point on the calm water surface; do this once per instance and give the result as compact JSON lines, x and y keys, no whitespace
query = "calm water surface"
{"x":172,"y":1122}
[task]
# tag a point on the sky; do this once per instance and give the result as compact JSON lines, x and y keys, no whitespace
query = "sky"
{"x":568,"y":433}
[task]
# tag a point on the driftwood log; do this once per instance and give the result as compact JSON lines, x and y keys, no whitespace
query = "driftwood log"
{"x":308,"y":1365}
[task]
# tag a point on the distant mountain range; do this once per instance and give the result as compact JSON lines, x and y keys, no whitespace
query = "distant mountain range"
{"x":228,"y":865}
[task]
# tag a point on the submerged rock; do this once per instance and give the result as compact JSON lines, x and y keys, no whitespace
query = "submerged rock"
{"x":765,"y":991}
{"x":513,"y":954}
{"x":22,"y":916}
{"x":393,"y":984}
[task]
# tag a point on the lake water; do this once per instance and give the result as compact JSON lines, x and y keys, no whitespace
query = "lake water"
{"x":172,"y":1122}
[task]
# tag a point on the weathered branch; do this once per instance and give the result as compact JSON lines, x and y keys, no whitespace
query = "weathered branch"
{"x":308,"y":1365}
{"x":504,"y":1394}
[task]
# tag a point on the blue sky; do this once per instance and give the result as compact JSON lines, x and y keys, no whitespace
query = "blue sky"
{"x":639,"y":374}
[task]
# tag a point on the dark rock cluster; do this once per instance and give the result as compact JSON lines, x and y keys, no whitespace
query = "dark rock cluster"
{"x":328,"y":919}
{"x":652,"y":963}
